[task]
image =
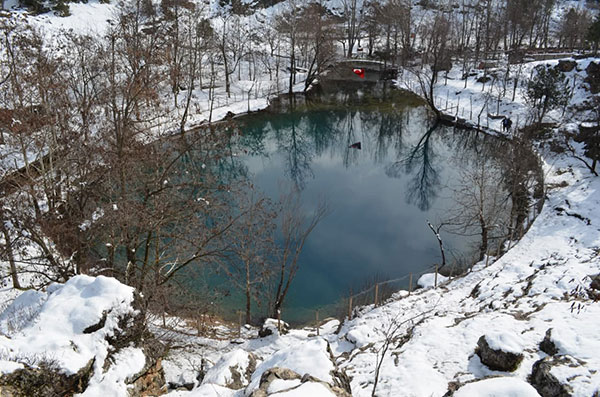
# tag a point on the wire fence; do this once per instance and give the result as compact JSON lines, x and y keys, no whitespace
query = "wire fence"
{"x":382,"y":291}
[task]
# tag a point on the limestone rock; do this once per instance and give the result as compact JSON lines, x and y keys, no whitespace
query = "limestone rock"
{"x":46,"y":380}
{"x":277,"y":373}
{"x":233,"y":370}
{"x":497,"y":359}
{"x":595,"y":284}
{"x":547,"y":345}
{"x":593,"y":77}
{"x":565,"y":65}
{"x":544,"y":382}
{"x":270,"y":326}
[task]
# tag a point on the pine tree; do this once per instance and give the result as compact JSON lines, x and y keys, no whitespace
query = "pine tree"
{"x":547,"y":90}
{"x":61,"y":8}
{"x":34,"y":6}
{"x":593,"y":33}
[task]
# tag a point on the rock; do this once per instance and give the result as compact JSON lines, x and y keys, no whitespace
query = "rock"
{"x":98,"y":326}
{"x":497,"y":359}
{"x":544,"y":382}
{"x":595,"y":284}
{"x":269,"y":376}
{"x":46,"y":380}
{"x":565,"y":65}
{"x":547,"y":345}
{"x":593,"y":77}
{"x":275,"y":373}
{"x":233,"y":370}
{"x":492,"y":386}
{"x":150,"y":381}
{"x":270,"y":326}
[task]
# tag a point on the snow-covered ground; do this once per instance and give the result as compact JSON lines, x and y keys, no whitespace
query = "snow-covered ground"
{"x":425,"y":342}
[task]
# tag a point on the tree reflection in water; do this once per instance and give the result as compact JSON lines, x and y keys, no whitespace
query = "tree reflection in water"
{"x":424,"y":182}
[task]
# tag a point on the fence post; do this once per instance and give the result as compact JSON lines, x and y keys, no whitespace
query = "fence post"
{"x":350,"y":308}
{"x":376,"y":293}
{"x":410,"y":283}
{"x":317,"y":318}
{"x":435,"y":279}
{"x":279,"y":320}
{"x":239,"y":323}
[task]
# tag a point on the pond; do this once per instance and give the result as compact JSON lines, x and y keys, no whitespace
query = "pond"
{"x":380,"y":195}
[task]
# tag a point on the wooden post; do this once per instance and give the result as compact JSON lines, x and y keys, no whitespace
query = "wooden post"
{"x":376,"y":293}
{"x":487,"y":257}
{"x":317,"y":318}
{"x":410,"y":283}
{"x":498,"y":248}
{"x":435,"y":279}
{"x":279,"y":320}
{"x":350,"y":308}
{"x":239,"y":323}
{"x":471,"y":111}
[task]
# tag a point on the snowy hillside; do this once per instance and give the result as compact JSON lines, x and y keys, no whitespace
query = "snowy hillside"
{"x":538,"y":291}
{"x":524,"y":324}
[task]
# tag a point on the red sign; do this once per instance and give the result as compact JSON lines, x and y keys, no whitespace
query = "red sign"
{"x":359,"y":72}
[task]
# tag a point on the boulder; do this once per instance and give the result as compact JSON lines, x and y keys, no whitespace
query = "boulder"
{"x":565,"y":65}
{"x":44,"y":380}
{"x":100,"y":345}
{"x":492,"y":387}
{"x":498,"y":356}
{"x":547,"y":344}
{"x":270,"y":327}
{"x":295,"y":381}
{"x":593,"y":77}
{"x":233,"y":370}
{"x":544,"y":382}
{"x":595,"y":284}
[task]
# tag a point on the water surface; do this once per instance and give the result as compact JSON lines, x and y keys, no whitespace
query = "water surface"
{"x":380,"y":196}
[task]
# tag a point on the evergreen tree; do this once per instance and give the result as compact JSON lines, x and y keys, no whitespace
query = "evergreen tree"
{"x":590,"y":136}
{"x":547,"y":90}
{"x":593,"y":33}
{"x":61,"y":8}
{"x":34,"y":6}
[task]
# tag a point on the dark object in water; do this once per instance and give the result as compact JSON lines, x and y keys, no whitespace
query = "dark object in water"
{"x":356,"y":145}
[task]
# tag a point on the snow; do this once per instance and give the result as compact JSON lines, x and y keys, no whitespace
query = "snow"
{"x":497,"y":387}
{"x":7,"y":367}
{"x":208,"y":390}
{"x":504,"y":341}
{"x":221,"y":372}
{"x":428,"y":280}
{"x":127,"y":363}
{"x":280,"y":384}
{"x":309,"y":357}
{"x":50,"y":325}
{"x":308,"y":389}
{"x":89,"y":18}
{"x":519,"y":295}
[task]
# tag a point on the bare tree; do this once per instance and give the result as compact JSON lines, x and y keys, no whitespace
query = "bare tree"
{"x":250,"y":264}
{"x":353,"y":13}
{"x":316,"y":35}
{"x":481,"y":204}
{"x":295,"y":229}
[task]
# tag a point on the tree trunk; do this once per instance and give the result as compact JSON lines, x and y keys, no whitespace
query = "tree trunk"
{"x":11,"y":259}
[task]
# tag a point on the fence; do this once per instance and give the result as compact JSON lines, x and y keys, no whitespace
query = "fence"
{"x":463,"y":109}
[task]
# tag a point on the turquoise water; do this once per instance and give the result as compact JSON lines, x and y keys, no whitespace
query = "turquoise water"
{"x":380,"y":197}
